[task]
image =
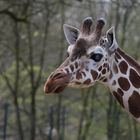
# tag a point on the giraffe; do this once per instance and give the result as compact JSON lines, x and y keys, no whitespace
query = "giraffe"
{"x":93,"y":57}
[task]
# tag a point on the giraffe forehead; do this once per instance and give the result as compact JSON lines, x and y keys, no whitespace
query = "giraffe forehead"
{"x":80,"y":47}
{"x":84,"y":46}
{"x":85,"y":41}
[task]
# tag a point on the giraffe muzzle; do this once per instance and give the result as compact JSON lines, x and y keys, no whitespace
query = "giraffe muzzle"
{"x":56,"y":83}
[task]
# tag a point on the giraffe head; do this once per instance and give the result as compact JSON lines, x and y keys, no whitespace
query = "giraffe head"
{"x":88,"y":59}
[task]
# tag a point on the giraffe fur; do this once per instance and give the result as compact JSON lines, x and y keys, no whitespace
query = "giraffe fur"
{"x":93,"y":57}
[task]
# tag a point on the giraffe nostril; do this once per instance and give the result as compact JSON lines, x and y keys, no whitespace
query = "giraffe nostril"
{"x":57,"y":82}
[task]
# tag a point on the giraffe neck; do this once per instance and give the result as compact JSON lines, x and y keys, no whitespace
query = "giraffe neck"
{"x":124,"y":83}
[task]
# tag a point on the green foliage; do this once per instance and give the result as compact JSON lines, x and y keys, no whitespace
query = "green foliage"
{"x":33,"y":43}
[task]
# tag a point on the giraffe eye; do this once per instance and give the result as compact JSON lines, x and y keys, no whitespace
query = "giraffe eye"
{"x":96,"y":57}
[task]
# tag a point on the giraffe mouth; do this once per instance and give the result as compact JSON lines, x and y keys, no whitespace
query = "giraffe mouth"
{"x":57,"y":83}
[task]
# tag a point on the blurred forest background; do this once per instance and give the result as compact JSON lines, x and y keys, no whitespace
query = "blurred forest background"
{"x":32,"y":45}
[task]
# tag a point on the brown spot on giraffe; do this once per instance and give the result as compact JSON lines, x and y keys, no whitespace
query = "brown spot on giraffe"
{"x":76,"y":65}
{"x":103,"y":71}
{"x":94,"y":74}
{"x":88,"y":81}
{"x":100,"y":68}
{"x":120,"y":92}
{"x":117,"y":56}
{"x":134,"y":78}
{"x":124,"y":83}
{"x":67,"y":70}
{"x":116,"y":59}
{"x":123,"y":67}
{"x":84,"y":74}
{"x":134,"y":104}
{"x":78,"y":75}
{"x":105,"y":65}
{"x":72,"y":67}
{"x":119,"y":98}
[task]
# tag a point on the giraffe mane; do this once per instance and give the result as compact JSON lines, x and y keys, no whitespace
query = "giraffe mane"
{"x":129,"y":59}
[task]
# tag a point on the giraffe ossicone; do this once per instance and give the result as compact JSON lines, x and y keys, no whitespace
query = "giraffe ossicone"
{"x":95,"y":57}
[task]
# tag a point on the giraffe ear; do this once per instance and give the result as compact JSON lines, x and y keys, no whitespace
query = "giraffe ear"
{"x":71,"y":33}
{"x":112,"y":43}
